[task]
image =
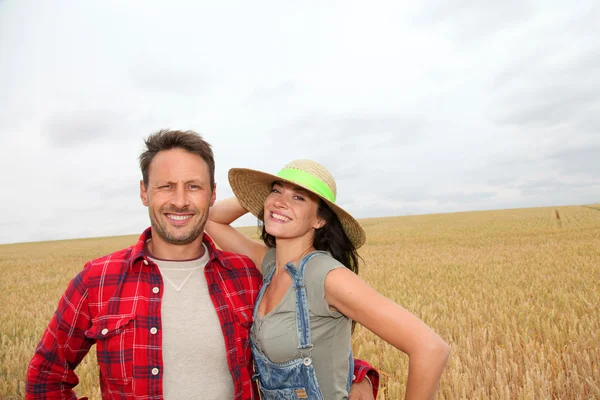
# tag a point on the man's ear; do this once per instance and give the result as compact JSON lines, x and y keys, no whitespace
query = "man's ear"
{"x":213,"y":197}
{"x":143,"y":193}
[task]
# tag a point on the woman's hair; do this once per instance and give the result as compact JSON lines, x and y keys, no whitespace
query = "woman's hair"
{"x":331,"y":237}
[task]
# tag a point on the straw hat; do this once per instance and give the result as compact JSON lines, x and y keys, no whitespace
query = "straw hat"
{"x":252,"y":187}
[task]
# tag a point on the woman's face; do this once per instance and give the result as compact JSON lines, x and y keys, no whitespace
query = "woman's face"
{"x":291,"y":212}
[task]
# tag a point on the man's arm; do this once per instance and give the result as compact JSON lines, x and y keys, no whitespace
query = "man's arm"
{"x":50,"y":374}
{"x":362,"y":370}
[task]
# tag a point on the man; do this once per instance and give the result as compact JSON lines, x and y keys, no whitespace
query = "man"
{"x":170,"y":316}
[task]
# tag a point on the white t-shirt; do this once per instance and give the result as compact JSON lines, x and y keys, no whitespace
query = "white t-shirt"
{"x":194,"y":355}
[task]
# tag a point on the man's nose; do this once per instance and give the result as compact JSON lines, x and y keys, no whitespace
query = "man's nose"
{"x":179,"y":198}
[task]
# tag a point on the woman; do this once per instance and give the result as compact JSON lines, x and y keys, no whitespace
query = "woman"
{"x":311,"y":291}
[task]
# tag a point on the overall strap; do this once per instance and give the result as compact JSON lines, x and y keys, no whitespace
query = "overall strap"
{"x":266,"y":280}
{"x":302,"y":317}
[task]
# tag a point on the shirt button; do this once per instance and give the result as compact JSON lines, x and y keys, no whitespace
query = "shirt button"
{"x":145,"y":262}
{"x":153,"y":331}
{"x":155,"y":289}
{"x":154,"y":371}
{"x":104,"y":331}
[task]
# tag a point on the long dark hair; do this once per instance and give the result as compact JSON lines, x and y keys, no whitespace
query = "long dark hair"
{"x":331,"y":237}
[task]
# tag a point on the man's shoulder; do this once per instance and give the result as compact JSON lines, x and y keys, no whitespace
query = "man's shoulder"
{"x":237,"y":261}
{"x":111,"y":261}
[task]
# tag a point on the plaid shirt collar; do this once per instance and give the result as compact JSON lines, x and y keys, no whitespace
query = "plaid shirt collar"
{"x":139,"y":253}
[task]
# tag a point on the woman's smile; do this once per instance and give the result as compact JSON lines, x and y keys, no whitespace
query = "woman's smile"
{"x":279,"y":217}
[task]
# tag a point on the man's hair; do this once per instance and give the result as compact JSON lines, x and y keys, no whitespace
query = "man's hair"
{"x":166,"y":139}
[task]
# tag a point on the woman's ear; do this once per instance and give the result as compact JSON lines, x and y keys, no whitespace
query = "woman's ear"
{"x":320,"y":223}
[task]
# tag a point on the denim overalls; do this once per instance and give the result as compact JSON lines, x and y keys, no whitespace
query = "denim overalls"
{"x":295,"y":379}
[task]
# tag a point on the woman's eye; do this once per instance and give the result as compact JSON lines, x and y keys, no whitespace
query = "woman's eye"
{"x":299,"y":198}
{"x":274,"y":190}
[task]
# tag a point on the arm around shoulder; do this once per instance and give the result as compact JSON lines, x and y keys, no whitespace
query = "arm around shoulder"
{"x":218,"y":226}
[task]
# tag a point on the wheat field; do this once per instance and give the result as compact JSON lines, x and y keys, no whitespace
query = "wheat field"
{"x":516,"y":293}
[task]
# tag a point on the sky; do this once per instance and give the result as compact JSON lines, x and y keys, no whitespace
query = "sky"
{"x":415,"y":107}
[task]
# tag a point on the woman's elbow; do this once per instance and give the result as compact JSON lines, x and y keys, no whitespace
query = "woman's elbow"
{"x":434,"y":351}
{"x":439,"y":350}
{"x":445,"y":350}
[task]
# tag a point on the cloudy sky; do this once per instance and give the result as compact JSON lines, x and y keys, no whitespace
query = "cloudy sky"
{"x":416,"y":107}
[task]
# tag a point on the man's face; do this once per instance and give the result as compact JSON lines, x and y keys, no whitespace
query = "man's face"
{"x":178,"y":196}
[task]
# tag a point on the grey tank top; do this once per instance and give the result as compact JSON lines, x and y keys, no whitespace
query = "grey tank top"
{"x":276,"y":335}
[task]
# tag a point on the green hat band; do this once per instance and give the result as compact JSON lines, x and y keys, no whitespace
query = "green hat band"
{"x":308,"y":181}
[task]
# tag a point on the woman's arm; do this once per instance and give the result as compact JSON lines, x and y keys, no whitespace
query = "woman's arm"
{"x":427,"y":352}
{"x":218,"y":226}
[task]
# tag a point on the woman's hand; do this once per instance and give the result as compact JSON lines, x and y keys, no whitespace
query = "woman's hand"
{"x":361,"y":390}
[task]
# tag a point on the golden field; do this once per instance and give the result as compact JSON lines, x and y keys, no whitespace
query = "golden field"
{"x":516,"y":293}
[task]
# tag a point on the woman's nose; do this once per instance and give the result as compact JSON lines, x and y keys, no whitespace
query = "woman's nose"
{"x":280,"y":201}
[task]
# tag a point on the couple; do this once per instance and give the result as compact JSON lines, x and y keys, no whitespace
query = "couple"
{"x":174,"y":317}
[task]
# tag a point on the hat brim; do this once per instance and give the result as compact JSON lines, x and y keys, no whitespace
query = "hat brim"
{"x":251,"y":187}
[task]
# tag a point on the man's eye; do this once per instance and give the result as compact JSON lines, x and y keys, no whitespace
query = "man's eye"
{"x":164,"y":187}
{"x":194,"y":187}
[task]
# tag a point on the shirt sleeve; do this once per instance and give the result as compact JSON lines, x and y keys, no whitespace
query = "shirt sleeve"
{"x":50,"y":374}
{"x":363,"y":369}
{"x":315,"y":275}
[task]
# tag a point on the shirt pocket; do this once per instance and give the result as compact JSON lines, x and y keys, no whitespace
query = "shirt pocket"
{"x":114,"y":336}
{"x":244,"y":324}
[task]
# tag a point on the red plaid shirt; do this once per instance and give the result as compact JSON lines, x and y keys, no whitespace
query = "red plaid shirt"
{"x":115,"y":301}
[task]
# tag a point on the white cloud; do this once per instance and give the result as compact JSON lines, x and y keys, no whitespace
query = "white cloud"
{"x":415,"y":107}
